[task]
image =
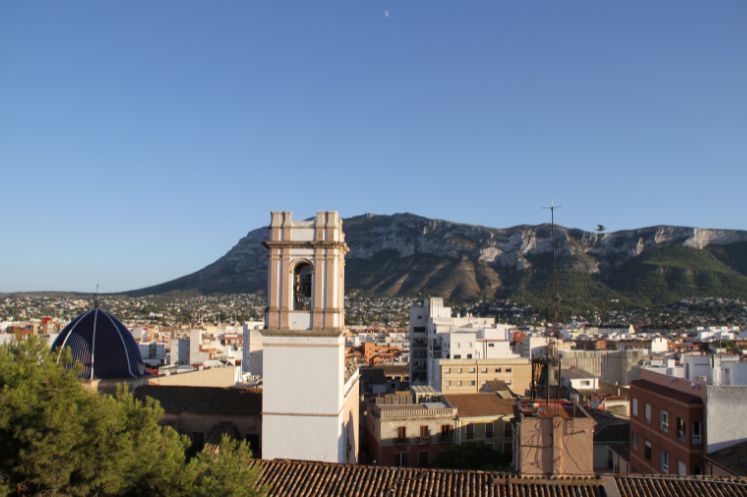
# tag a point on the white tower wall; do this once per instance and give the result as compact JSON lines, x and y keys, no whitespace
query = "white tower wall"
{"x":309,"y":410}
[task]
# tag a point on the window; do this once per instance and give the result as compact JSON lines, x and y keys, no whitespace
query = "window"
{"x":498,"y":370}
{"x":681,"y":430}
{"x":647,"y":412}
{"x":445,"y":432}
{"x":447,"y":370}
{"x":401,"y":459}
{"x":664,"y":461}
{"x":491,"y":345}
{"x":423,"y":459}
{"x":634,"y":407}
{"x":459,"y":370}
{"x":424,"y":432}
{"x":402,"y":433}
{"x":469,"y":356}
{"x":647,"y":449}
{"x":470,"y":431}
{"x":508,"y":370}
{"x":634,"y":439}
{"x":585,"y":383}
{"x":681,"y":468}
{"x":508,"y":428}
{"x":488,"y":430}
{"x":664,"y":421}
{"x":457,"y":356}
{"x":483,"y":370}
{"x":697,"y":438}
{"x":448,"y":383}
{"x":418,"y":329}
{"x":472,"y":383}
{"x":471,"y":370}
{"x":459,"y":383}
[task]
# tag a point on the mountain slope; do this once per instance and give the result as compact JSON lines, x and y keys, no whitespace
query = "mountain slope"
{"x":405,"y":254}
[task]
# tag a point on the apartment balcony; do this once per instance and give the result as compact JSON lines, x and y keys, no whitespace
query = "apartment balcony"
{"x":412,"y":411}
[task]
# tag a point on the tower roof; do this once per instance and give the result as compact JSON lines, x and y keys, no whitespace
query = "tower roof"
{"x":102,"y":345}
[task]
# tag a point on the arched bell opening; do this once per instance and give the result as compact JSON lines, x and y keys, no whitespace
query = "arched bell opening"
{"x":303,"y":281}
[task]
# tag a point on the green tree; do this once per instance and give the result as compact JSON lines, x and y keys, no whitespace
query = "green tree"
{"x":59,"y":438}
{"x":226,"y":472}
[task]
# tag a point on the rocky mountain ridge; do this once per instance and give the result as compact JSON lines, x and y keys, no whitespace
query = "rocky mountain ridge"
{"x":406,"y":254}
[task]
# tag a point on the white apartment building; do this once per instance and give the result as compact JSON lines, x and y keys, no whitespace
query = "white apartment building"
{"x":251,"y":360}
{"x":436,"y":336}
{"x":714,"y":369}
{"x":533,"y":345}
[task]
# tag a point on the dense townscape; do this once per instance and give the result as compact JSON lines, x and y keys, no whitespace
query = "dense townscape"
{"x":243,"y":393}
{"x":373,"y":249}
{"x":175,"y":309}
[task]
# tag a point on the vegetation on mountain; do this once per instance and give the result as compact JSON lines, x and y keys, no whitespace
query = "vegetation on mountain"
{"x":733,"y":255}
{"x":59,"y":438}
{"x":671,"y":273}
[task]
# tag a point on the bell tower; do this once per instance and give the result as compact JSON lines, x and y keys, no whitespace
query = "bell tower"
{"x":310,"y":398}
{"x":306,"y":268}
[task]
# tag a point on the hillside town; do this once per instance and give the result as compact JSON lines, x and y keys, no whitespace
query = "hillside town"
{"x":362,"y":309}
{"x":442,"y":388}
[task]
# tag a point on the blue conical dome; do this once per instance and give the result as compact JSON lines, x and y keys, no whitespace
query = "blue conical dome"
{"x":103,"y":345}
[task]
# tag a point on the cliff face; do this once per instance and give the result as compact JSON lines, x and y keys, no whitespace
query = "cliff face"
{"x":405,"y":254}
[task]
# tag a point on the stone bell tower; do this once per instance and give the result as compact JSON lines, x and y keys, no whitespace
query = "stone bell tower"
{"x":306,"y":271}
{"x":310,"y":399}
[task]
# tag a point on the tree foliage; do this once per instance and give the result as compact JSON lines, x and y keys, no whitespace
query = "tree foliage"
{"x":59,"y":438}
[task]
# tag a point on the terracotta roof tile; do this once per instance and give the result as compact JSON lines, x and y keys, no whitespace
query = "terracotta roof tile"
{"x":204,"y":400}
{"x":685,"y":486}
{"x":733,"y":459}
{"x":285,"y":478}
{"x":306,"y":479}
{"x":481,"y":404}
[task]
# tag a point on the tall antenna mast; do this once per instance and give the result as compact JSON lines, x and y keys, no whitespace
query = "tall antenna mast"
{"x":546,"y":370}
{"x":556,"y":293}
{"x":96,"y":296}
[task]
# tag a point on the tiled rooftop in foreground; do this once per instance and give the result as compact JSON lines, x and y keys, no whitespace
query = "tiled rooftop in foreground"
{"x":285,"y":478}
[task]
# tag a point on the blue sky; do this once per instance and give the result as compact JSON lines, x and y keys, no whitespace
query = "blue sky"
{"x":140,"y":140}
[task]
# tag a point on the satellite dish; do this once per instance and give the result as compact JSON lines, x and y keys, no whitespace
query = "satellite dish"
{"x":601,"y":228}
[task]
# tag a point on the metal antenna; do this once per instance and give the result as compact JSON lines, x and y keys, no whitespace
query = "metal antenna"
{"x":96,"y":297}
{"x":556,"y":294}
{"x":551,"y":350}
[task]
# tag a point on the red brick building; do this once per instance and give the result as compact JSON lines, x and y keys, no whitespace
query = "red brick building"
{"x":666,"y":426}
